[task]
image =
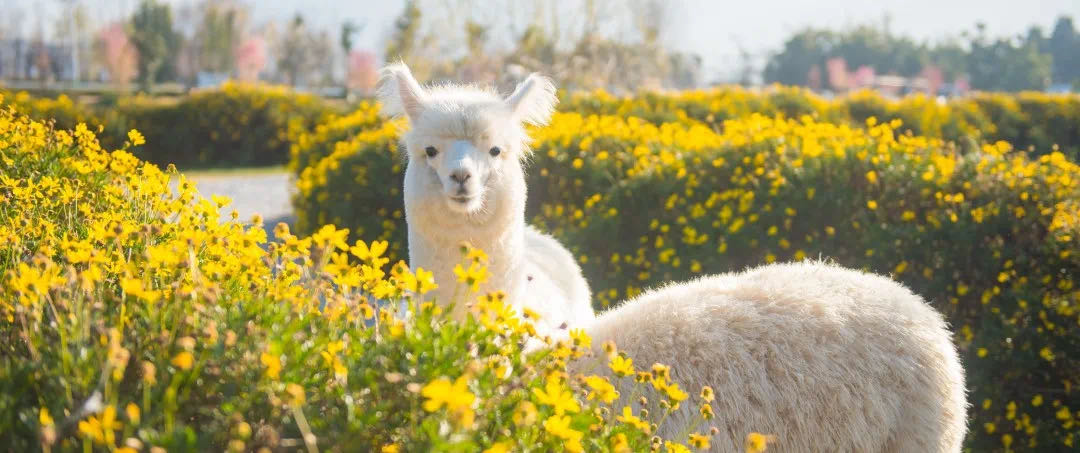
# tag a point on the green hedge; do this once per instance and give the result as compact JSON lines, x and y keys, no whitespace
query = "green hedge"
{"x":236,"y":126}
{"x":987,"y":234}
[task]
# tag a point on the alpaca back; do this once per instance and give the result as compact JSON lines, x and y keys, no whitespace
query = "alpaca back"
{"x":825,"y":358}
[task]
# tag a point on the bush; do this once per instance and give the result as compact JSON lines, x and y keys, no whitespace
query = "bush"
{"x":62,"y":110}
{"x":132,"y":317}
{"x":987,"y":234}
{"x":238,"y":125}
{"x":309,"y":146}
{"x":1032,"y":121}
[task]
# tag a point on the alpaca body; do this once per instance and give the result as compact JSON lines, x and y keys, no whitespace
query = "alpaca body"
{"x":824,"y":358}
{"x":464,"y":183}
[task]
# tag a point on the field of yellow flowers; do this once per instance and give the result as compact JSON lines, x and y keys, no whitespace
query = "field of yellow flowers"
{"x":134,"y":318}
{"x":987,"y":233}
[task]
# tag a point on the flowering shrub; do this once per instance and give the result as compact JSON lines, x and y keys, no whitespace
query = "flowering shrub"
{"x":236,"y":125}
{"x":987,"y":234}
{"x":132,"y":317}
{"x":64,"y":112}
{"x":309,"y":146}
{"x":1026,"y":120}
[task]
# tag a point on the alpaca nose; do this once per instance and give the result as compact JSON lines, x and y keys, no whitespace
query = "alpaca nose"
{"x":460,"y":176}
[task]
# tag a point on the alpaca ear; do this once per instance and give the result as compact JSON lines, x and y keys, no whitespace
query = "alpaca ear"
{"x":399,"y":92}
{"x":533,"y":100}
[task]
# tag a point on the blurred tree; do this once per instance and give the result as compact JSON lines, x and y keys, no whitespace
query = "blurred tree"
{"x":1005,"y":65}
{"x":73,"y":26}
{"x":293,"y":57}
{"x":348,"y":30}
{"x":1025,"y":63}
{"x":476,"y":36}
{"x":157,"y":43}
{"x":1064,"y":45}
{"x":406,"y":33}
{"x":219,"y":34}
{"x":305,"y":57}
{"x":40,"y":62}
{"x":805,"y":50}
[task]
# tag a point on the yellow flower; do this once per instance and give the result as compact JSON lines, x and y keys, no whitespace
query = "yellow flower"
{"x":672,"y":447}
{"x":871,"y":204}
{"x":556,"y":395}
{"x":619,"y":443}
{"x":559,"y":426}
{"x":602,"y":389}
{"x":580,"y":338}
{"x":707,"y":394}
{"x":525,"y":414}
{"x":183,"y":360}
{"x":629,"y":418}
{"x":390,"y":448}
{"x":622,"y":366}
{"x":133,"y":413}
{"x":707,"y":411}
{"x":455,"y":396}
{"x":499,"y":447}
{"x":473,"y":276}
{"x":757,"y":443}
{"x":661,"y":371}
{"x":373,"y":254}
{"x":273,"y":365}
{"x":425,"y":281}
{"x":136,"y":137}
{"x":44,"y":418}
{"x":699,"y":441}
{"x":675,"y":394}
{"x":296,"y":394}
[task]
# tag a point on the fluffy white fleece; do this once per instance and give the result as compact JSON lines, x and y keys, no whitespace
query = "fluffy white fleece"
{"x":822,"y":357}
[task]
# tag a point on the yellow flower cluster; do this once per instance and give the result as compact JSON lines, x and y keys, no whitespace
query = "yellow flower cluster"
{"x":136,"y":319}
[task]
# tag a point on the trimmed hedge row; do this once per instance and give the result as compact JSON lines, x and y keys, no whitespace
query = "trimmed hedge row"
{"x":1031,"y":121}
{"x":988,"y":234}
{"x":247,"y":125}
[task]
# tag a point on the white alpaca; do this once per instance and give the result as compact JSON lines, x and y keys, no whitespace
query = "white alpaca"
{"x":825,"y":358}
{"x":464,"y":182}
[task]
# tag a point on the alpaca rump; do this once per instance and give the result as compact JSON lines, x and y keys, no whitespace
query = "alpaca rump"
{"x":465,"y":183}
{"x":822,"y":357}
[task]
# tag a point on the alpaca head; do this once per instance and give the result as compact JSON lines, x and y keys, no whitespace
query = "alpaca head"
{"x":465,"y":144}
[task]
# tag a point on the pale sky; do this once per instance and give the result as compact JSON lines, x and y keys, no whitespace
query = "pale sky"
{"x":713,"y":29}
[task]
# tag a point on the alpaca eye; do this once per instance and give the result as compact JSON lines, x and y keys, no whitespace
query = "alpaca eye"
{"x":495,"y":151}
{"x":431,"y":151}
